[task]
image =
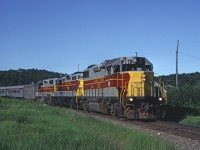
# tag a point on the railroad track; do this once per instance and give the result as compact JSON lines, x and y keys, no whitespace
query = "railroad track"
{"x":189,"y":132}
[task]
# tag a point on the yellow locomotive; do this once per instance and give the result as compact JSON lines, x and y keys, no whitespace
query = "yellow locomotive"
{"x":63,"y":91}
{"x":124,"y":87}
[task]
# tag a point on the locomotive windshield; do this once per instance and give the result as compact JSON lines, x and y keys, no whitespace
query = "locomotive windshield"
{"x":136,"y":64}
{"x":134,"y":67}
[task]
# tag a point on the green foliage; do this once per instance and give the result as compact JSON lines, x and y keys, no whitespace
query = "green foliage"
{"x":11,"y":77}
{"x":185,"y":97}
{"x":30,"y":125}
{"x":184,"y":79}
{"x":184,"y":101}
{"x":191,"y":120}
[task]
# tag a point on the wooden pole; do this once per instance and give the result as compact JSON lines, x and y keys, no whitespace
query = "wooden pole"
{"x":177,"y":64}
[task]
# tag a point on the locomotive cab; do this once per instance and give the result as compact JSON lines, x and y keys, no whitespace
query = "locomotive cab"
{"x":45,"y":89}
{"x":143,"y":98}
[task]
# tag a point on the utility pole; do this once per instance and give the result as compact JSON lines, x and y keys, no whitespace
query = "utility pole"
{"x":78,"y":67}
{"x":177,"y":64}
{"x":19,"y":75}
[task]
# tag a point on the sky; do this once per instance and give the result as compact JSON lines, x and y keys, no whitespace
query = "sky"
{"x":60,"y":35}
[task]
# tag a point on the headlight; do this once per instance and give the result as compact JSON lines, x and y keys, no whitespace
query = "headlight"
{"x":144,"y":77}
{"x":160,"y":98}
{"x":130,"y":99}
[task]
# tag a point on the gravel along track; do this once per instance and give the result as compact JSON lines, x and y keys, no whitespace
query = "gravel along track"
{"x":190,"y":132}
{"x":182,"y":136}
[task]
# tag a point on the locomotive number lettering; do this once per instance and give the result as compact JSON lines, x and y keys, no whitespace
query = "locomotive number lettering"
{"x":126,"y":61}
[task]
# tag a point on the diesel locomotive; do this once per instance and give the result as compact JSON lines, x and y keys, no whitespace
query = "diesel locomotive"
{"x":123,"y":87}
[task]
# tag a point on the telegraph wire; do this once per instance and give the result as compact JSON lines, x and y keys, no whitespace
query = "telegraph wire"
{"x":189,"y":55}
{"x":1,"y":67}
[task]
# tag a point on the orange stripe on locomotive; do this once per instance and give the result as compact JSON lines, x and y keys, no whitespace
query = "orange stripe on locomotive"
{"x":46,"y":89}
{"x":68,"y":86}
{"x":115,"y":81}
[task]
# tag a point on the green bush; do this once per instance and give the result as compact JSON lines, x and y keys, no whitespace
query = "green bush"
{"x":191,"y":120}
{"x":183,"y":102}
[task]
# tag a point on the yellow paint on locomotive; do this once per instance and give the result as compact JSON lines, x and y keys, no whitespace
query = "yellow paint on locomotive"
{"x":140,"y":84}
{"x":80,"y":90}
{"x":54,"y":90}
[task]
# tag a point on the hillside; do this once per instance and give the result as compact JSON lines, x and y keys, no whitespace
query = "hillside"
{"x":190,"y":79}
{"x":13,"y":77}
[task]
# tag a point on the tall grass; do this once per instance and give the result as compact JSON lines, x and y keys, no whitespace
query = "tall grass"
{"x":30,"y":125}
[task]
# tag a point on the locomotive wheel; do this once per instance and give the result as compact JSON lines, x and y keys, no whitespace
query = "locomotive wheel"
{"x":114,"y":109}
{"x":85,"y":105}
{"x":136,"y":113}
{"x":73,"y":104}
{"x":45,"y":101}
{"x":162,"y":112}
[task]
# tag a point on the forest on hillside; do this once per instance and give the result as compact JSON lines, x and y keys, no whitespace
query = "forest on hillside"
{"x":25,"y":77}
{"x":190,"y":79}
{"x":13,"y":77}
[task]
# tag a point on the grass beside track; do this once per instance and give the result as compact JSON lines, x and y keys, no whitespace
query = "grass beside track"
{"x":30,"y":125}
{"x":191,"y":120}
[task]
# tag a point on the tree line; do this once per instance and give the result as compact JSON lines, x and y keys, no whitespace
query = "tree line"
{"x":25,"y":77}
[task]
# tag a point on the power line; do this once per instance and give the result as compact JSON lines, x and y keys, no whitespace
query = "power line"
{"x":4,"y":68}
{"x":189,"y":55}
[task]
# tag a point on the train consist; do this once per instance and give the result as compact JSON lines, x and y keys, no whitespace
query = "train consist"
{"x":122,"y":86}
